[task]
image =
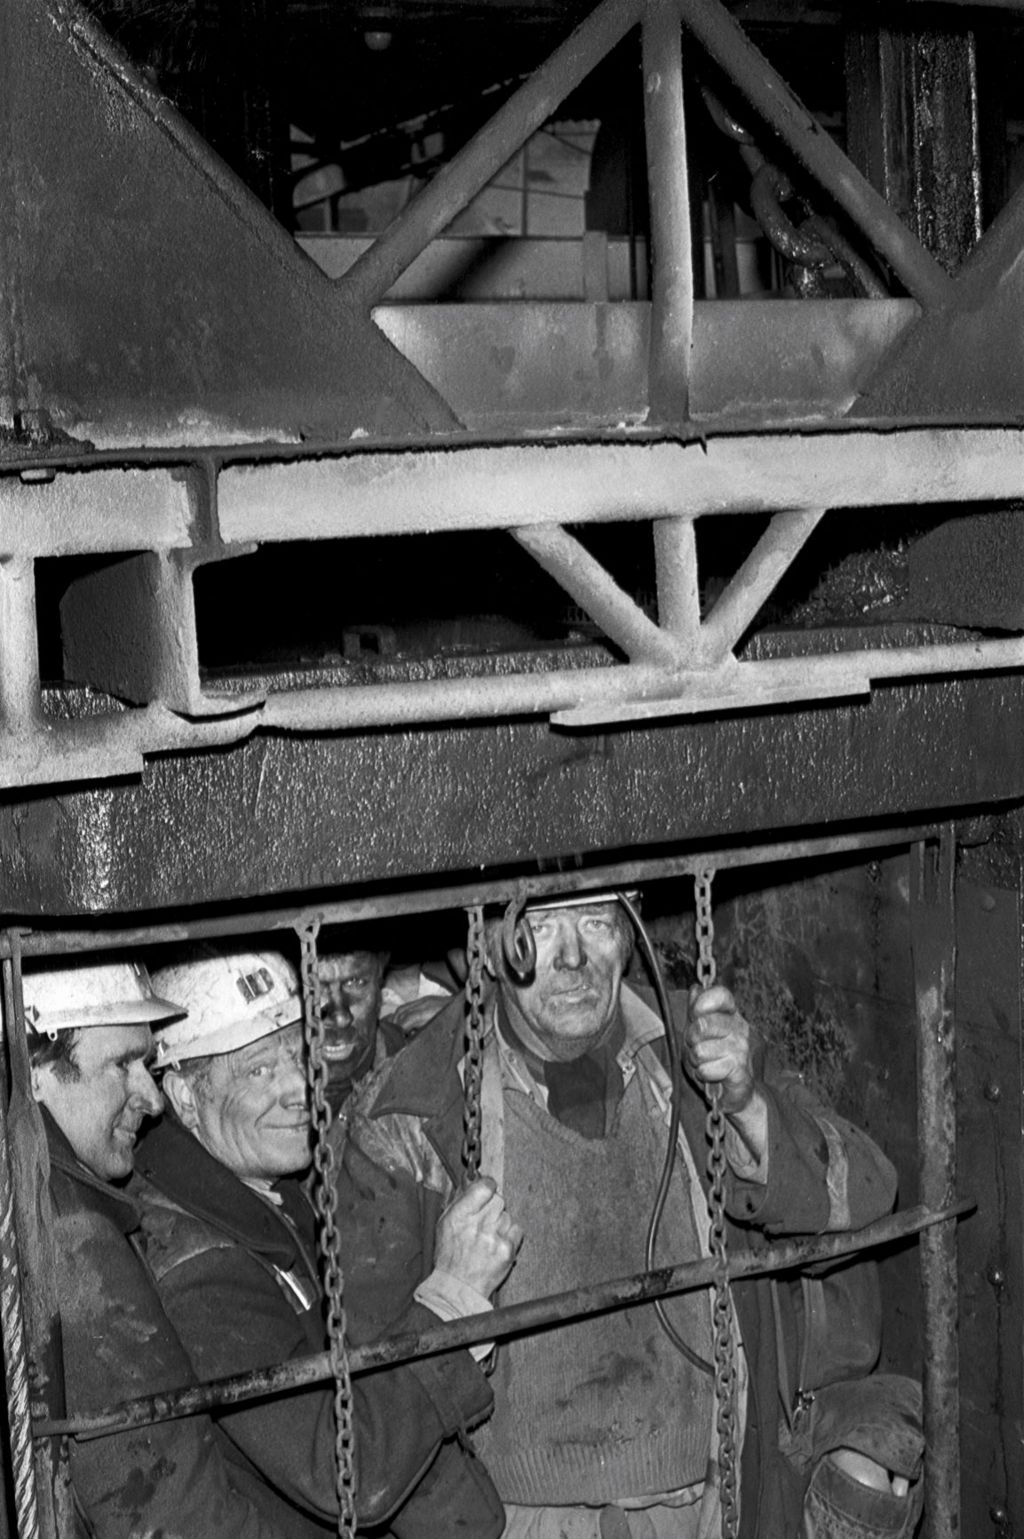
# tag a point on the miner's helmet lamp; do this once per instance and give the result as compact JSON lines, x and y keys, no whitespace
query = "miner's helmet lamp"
{"x":517,"y":941}
{"x":230,"y":998}
{"x":67,"y":995}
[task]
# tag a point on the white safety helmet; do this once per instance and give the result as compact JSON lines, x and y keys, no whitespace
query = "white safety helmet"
{"x":65,"y":995}
{"x":231,"y":998}
{"x":581,"y":899}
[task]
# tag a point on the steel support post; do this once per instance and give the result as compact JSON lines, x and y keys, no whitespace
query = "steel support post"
{"x":19,"y":646}
{"x":669,"y":190}
{"x":933,"y":941}
{"x":675,"y":556}
{"x":912,"y":127}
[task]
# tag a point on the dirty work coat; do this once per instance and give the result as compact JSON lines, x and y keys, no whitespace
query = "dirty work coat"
{"x":174,"y":1480}
{"x":238,"y":1278}
{"x":402,"y":1162}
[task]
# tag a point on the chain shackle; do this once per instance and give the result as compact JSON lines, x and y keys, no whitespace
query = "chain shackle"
{"x":474,"y":1043}
{"x":325,"y":1199}
{"x":722,"y":1308}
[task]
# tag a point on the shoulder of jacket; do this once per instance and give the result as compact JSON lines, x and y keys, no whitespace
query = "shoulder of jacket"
{"x":171,"y":1235}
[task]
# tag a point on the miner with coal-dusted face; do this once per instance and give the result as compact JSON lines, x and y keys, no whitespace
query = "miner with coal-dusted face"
{"x":607,"y":1426}
{"x":231,"y":1236}
{"x":91,"y":1054}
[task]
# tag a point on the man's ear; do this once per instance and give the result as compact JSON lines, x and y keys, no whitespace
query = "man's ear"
{"x":182,"y":1098}
{"x":37,"y":1082}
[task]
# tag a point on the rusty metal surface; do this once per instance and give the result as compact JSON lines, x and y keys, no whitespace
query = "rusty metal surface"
{"x":495,"y":889}
{"x":912,"y":126}
{"x":187,"y":314}
{"x":933,"y":943}
{"x":991,"y":1318}
{"x":282,"y":814}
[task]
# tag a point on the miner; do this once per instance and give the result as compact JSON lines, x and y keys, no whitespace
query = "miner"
{"x":606,"y":1428}
{"x":231,"y":1236}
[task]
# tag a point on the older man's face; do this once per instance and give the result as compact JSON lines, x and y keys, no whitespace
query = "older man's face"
{"x":250,"y":1110}
{"x":572,"y":999}
{"x":100,"y":1100}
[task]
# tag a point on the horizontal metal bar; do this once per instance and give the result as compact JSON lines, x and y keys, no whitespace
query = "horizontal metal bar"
{"x":96,"y":747}
{"x":585,"y":696}
{"x":96,"y":511}
{"x":508,"y":486}
{"x":514,"y":1319}
{"x":722,"y":37}
{"x":628,"y":873}
{"x":116,"y":744}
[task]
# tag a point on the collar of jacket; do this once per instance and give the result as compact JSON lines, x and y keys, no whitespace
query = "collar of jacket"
{"x":424,"y":1080}
{"x":184,"y":1171}
{"x":111,"y":1201}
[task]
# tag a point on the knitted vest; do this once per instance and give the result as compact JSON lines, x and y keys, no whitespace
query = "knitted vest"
{"x":603,"y":1409}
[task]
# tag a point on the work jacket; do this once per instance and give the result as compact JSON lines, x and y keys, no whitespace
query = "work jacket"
{"x":238,"y":1277}
{"x":402,"y":1164}
{"x":175,"y":1480}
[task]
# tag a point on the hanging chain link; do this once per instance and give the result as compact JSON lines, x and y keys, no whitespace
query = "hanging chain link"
{"x":474,"y":1062}
{"x":326,"y":1200}
{"x":722,"y":1312}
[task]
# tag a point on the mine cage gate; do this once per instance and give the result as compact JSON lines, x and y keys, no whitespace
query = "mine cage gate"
{"x":39,"y":1419}
{"x":761,"y":555}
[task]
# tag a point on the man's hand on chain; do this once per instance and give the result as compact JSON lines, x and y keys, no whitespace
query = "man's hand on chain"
{"x":716,"y":1046}
{"x":717,"y":1050}
{"x":477,"y":1240}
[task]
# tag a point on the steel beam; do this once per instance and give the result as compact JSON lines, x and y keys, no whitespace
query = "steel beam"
{"x":265,"y":816}
{"x":505,"y":487}
{"x":433,"y":900}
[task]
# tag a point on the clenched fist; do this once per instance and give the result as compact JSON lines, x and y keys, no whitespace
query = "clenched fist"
{"x":717,"y":1048}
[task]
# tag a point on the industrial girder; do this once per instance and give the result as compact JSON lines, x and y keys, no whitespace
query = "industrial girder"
{"x":242,"y":397}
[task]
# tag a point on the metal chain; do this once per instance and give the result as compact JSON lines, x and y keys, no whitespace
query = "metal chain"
{"x":326,"y":1200}
{"x":722,"y":1312}
{"x":474,"y":1061}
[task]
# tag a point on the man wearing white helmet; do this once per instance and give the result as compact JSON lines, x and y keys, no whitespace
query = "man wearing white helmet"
{"x":231,"y":1238}
{"x":90,"y":1049}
